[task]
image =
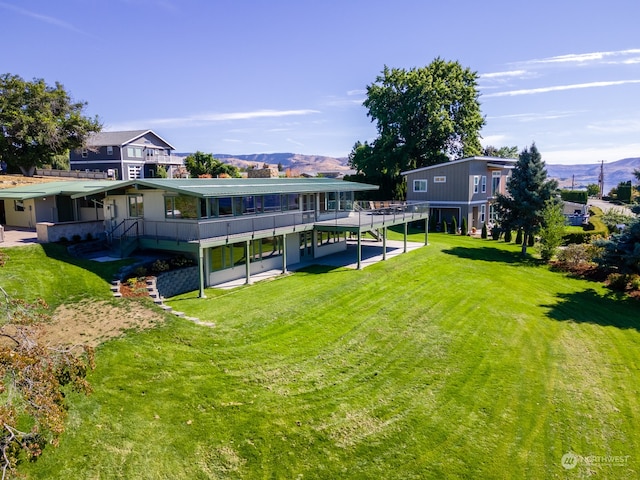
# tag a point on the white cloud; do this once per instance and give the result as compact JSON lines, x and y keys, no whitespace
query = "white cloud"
{"x":532,"y":117}
{"x":356,"y":92}
{"x":616,"y":126}
{"x":583,"y":58}
{"x":559,"y":88}
{"x":207,"y":118}
{"x":508,"y":74}
{"x":42,"y":18}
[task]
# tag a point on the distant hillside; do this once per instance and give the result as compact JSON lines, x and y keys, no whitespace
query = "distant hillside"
{"x":580,"y":175}
{"x":583,"y":175}
{"x":294,"y":161}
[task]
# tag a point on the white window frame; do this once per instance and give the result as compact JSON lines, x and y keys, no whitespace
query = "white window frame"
{"x":440,"y":179}
{"x":85,"y":153}
{"x":109,"y":150}
{"x":476,"y":182}
{"x":417,"y":184}
{"x":495,"y":175}
{"x":484,"y":184}
{"x":483,"y":213}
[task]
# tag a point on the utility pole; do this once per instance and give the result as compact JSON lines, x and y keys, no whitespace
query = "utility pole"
{"x":601,"y":180}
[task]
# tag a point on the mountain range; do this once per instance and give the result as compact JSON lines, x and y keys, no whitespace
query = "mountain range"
{"x":579,"y":176}
{"x":568,"y":176}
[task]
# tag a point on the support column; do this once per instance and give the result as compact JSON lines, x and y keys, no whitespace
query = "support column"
{"x":359,"y":250}
{"x":201,"y":271}
{"x":247,"y":263}
{"x":426,"y":231}
{"x":405,"y":237}
{"x":284,"y":253}
{"x":384,"y":243}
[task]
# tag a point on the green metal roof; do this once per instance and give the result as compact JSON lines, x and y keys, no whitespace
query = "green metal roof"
{"x":230,"y":187}
{"x":38,"y":190}
{"x":199,"y":187}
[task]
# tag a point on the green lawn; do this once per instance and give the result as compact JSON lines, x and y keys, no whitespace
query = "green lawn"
{"x":456,"y":360}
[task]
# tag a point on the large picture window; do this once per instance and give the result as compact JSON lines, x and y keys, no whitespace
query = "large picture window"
{"x":181,"y":206}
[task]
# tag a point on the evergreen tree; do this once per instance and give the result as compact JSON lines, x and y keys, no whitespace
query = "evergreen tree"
{"x":454,"y":225}
{"x":528,"y":191}
{"x":464,"y":229}
{"x":508,"y":235}
{"x":484,"y":231}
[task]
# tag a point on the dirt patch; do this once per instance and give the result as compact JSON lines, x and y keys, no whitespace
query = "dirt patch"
{"x":92,"y":323}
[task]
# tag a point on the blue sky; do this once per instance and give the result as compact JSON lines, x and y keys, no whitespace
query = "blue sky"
{"x":251,"y":76}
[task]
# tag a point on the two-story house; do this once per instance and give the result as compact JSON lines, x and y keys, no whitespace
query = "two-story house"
{"x":464,"y":188}
{"x":126,"y":155}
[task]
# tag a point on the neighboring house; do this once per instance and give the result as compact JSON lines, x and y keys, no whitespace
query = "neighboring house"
{"x":126,"y":155}
{"x":460,"y":189}
{"x":235,"y":228}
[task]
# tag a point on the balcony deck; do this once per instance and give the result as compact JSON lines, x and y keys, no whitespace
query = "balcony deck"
{"x":220,"y":231}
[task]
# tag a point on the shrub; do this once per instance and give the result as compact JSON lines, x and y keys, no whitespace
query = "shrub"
{"x":180,"y":262}
{"x":578,"y":254}
{"x":64,"y":240}
{"x":140,"y":272}
{"x":160,"y":266}
{"x":76,"y":238}
{"x":508,"y":235}
{"x":484,"y":231}
{"x":495,"y":233}
{"x":618,"y":281}
{"x":576,"y":196}
{"x":519,"y":237}
{"x":444,"y":226}
{"x":89,"y":237}
{"x":433,"y":223}
{"x":464,"y":229}
{"x":454,"y":225}
{"x":531,"y":240}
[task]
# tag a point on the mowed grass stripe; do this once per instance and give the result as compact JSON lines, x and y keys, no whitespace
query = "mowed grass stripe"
{"x":452,"y":361}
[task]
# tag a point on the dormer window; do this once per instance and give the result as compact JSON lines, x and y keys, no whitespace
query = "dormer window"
{"x":109,"y":150}
{"x":85,"y":153}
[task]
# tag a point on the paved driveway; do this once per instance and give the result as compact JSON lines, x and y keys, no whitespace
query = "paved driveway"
{"x":606,"y":206}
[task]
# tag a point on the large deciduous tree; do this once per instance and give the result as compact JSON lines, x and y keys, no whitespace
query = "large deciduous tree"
{"x":201,"y":164}
{"x":502,"y":152}
{"x":38,"y":122}
{"x":528,"y":190}
{"x":424,"y":116}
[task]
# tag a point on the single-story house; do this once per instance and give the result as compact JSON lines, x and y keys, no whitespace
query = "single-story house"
{"x":234,"y":228}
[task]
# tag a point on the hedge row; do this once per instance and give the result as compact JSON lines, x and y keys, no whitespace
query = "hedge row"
{"x":576,"y":196}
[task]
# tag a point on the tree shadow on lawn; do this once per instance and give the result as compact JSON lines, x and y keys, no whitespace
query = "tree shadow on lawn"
{"x":588,"y":306}
{"x":492,"y":254}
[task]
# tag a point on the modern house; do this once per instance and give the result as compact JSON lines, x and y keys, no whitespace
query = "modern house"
{"x":464,"y":188}
{"x":233,"y":228}
{"x":127,"y":155}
